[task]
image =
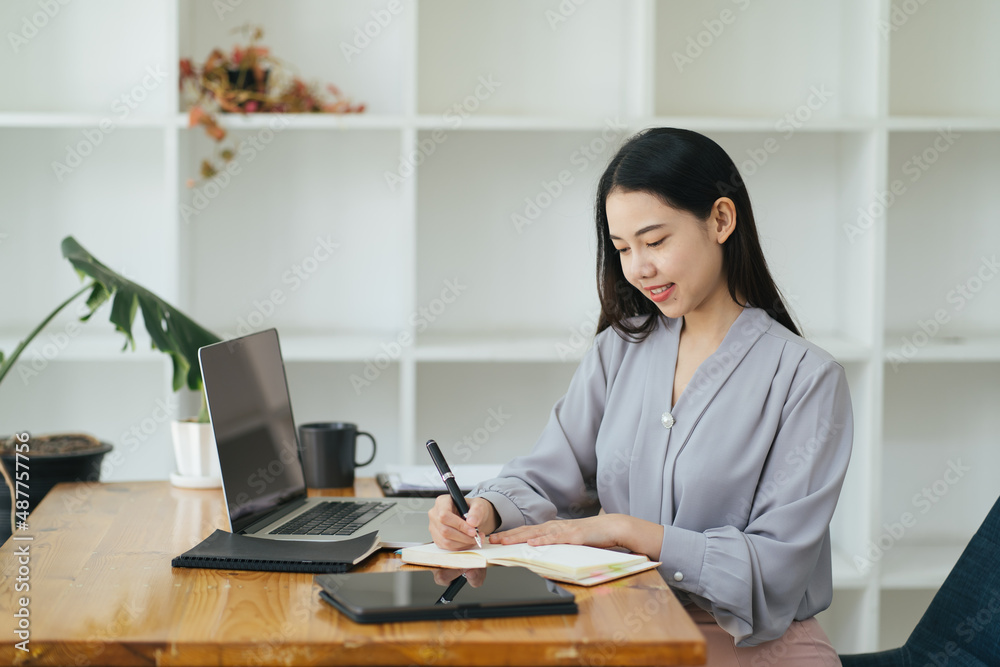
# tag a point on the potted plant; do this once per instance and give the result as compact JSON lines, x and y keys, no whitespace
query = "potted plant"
{"x":248,"y":79}
{"x":171,"y":331}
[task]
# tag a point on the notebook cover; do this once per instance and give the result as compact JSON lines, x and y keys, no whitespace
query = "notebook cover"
{"x":387,"y":482}
{"x":223,"y":550}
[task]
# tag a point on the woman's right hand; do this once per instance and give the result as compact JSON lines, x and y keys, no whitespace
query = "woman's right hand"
{"x":451,"y":531}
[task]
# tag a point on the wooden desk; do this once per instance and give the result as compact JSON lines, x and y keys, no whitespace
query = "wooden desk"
{"x":102,"y":592}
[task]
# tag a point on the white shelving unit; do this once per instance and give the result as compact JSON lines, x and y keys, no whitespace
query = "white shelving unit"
{"x":411,"y":298}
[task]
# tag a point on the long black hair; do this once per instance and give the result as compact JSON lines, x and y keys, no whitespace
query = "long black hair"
{"x":689,"y":172}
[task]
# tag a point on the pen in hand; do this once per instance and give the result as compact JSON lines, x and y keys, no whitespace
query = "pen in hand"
{"x":449,"y":481}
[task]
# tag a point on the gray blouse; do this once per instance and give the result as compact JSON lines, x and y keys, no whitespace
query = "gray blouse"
{"x":743,"y":472}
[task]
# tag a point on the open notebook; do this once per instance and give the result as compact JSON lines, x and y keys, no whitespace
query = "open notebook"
{"x":571,"y":563}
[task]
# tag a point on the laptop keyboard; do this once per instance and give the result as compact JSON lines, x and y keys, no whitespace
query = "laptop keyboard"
{"x":332,"y":518}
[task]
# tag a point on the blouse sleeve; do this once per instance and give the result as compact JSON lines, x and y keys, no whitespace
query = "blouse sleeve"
{"x":756,"y":579}
{"x":560,"y":472}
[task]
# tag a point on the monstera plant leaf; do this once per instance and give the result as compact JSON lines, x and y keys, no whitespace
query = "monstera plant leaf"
{"x":171,"y":331}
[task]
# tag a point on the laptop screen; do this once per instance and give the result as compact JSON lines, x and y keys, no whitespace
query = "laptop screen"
{"x":254,"y":430}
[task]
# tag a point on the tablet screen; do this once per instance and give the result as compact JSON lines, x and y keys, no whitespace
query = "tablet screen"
{"x":442,"y":593}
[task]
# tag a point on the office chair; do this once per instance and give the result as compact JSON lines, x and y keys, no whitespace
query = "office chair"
{"x":962,"y":626}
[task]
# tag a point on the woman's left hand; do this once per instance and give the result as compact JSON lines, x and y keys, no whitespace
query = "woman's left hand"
{"x":604,"y":530}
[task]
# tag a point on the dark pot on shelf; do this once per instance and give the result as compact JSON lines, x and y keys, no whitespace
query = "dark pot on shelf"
{"x":47,"y":467}
{"x":246,"y":79}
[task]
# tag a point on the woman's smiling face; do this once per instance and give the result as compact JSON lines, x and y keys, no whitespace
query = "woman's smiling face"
{"x":671,"y":256}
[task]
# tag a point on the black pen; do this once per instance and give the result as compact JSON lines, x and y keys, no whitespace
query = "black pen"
{"x":453,"y":588}
{"x":449,"y":481}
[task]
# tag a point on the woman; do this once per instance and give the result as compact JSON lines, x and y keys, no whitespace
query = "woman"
{"x":700,"y":429}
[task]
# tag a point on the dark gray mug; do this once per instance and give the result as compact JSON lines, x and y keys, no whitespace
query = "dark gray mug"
{"x":329,"y":452}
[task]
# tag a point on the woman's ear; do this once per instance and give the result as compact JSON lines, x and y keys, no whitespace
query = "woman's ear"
{"x":722,"y":219}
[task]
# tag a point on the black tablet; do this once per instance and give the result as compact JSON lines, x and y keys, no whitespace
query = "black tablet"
{"x":420,"y":595}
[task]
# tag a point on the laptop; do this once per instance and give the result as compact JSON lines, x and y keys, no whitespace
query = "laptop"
{"x":262,"y":477}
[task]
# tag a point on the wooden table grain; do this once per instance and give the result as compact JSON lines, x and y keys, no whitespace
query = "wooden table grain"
{"x":96,"y":581}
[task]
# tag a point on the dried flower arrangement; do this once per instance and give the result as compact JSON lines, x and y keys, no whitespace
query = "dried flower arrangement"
{"x":248,"y":80}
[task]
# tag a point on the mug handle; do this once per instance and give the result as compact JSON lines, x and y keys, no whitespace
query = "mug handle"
{"x":370,"y":458}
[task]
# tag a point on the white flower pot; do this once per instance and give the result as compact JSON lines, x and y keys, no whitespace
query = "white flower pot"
{"x":196,"y":456}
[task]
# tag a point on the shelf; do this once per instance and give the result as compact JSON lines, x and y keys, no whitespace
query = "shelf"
{"x":769,"y":124}
{"x":552,"y":123}
{"x":481,"y":122}
{"x":918,"y":566}
{"x":914,"y":347}
{"x":339,"y":347}
{"x":843,"y":349}
{"x":78,"y":120}
{"x":937,"y":123}
{"x":566,"y":347}
{"x":941,"y":250}
{"x":310,"y":37}
{"x":520,"y":123}
{"x":448,"y":123}
{"x":521,"y":348}
{"x":53,"y":344}
{"x":431,"y":259}
{"x":302,"y":121}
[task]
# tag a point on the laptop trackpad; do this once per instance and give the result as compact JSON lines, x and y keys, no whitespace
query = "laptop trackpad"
{"x":405,"y":527}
